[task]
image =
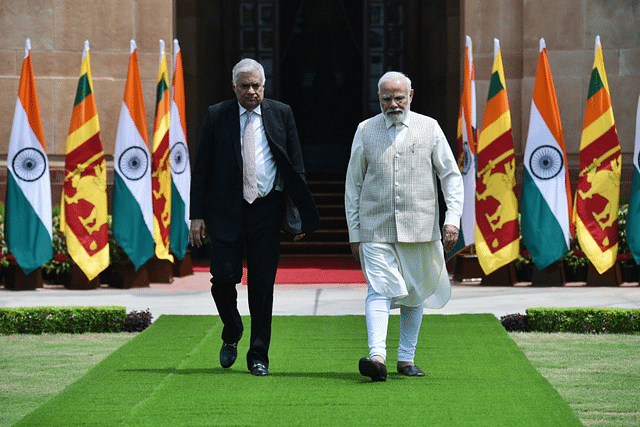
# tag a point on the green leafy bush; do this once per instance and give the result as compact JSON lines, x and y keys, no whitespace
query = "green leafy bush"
{"x":584,"y":320}
{"x":75,"y":320}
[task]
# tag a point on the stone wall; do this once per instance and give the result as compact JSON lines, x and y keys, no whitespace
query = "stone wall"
{"x":569,"y":28}
{"x":58,"y":29}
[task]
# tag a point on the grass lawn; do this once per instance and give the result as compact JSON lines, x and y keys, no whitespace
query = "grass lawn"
{"x":37,"y":367}
{"x":596,"y":374}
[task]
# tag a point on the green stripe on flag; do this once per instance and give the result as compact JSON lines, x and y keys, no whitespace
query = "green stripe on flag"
{"x":496,"y":85}
{"x":129,"y":227}
{"x":179,"y":232}
{"x":541,"y":232}
{"x":633,"y":217}
{"x":84,"y":89}
{"x":26,"y":236}
{"x":161,"y":87}
{"x":596,"y":83}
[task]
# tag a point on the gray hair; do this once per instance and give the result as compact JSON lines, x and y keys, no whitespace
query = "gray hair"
{"x":390,"y":76}
{"x":247,"y":65}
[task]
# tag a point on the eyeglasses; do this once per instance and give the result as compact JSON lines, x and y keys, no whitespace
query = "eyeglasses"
{"x":399,"y":99}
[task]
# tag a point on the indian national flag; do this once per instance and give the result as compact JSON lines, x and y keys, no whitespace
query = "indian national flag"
{"x":28,"y":224}
{"x":160,"y":164}
{"x":497,"y":230}
{"x":84,"y":199}
{"x":633,"y":214}
{"x":546,"y":192}
{"x":598,"y":192}
{"x":180,"y":169}
{"x":132,"y":204}
{"x":467,"y":138}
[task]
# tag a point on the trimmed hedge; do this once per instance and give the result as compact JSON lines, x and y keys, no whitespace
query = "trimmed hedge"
{"x":51,"y":320}
{"x":578,"y":320}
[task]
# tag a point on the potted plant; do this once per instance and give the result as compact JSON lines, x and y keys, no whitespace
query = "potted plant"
{"x":576,"y":263}
{"x":523,"y":265}
{"x":121,"y":272}
{"x":629,"y":268}
{"x":58,"y":268}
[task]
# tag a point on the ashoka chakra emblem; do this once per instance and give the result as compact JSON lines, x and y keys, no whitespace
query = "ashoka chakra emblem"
{"x":179,"y":157}
{"x":546,"y":162}
{"x":29,"y":164}
{"x":133,"y":163}
{"x":468,"y":157}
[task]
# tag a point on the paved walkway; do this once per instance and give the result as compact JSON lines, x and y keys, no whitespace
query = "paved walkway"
{"x":191,"y":295}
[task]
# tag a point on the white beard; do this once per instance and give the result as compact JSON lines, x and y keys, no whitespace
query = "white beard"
{"x":396,"y":118}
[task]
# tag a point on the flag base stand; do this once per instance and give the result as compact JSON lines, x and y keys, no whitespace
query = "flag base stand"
{"x":611,"y":277}
{"x":503,"y":276}
{"x":552,"y":275}
{"x":76,"y":279}
{"x":467,"y":267}
{"x":630,"y":273}
{"x":125,"y":276}
{"x":16,"y":280}
{"x":183,"y":267}
{"x":160,"y":270}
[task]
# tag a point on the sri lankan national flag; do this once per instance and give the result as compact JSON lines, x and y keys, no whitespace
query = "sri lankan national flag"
{"x":84,"y":199}
{"x":497,"y":230}
{"x":161,"y":170}
{"x":598,"y":192}
{"x":467,"y":139}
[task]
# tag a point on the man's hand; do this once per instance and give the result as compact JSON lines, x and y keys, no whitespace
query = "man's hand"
{"x":450,"y":237}
{"x":197,"y":232}
{"x":355,"y":251}
{"x":298,"y":237}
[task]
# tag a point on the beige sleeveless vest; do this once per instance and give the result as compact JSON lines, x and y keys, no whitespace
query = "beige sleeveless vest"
{"x":399,"y":200}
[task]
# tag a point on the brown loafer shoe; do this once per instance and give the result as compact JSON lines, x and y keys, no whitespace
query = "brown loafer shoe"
{"x":410,"y":371}
{"x":372,"y":368}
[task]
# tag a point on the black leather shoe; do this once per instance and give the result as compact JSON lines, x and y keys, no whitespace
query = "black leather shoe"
{"x":410,"y":371}
{"x":259,"y":370}
{"x":228,"y":354}
{"x":372,"y":368}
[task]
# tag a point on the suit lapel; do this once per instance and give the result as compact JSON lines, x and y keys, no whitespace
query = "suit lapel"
{"x":268,"y":121}
{"x":234,"y":130}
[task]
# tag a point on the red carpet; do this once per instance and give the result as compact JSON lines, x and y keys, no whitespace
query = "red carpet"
{"x":310,"y":270}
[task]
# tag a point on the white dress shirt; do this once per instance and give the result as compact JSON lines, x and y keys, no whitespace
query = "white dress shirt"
{"x":266,"y":169}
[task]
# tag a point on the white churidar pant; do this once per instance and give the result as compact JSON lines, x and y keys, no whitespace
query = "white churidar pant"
{"x":406,"y":275}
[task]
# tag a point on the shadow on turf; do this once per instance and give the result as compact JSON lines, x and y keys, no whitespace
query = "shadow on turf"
{"x":222,"y":371}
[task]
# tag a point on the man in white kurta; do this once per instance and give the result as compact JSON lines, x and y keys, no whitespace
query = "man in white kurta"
{"x":391,"y":202}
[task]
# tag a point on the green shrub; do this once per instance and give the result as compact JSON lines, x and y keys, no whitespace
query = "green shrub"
{"x":50,"y":320}
{"x":584,"y":320}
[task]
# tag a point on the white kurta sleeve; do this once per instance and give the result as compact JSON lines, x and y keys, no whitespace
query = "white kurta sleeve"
{"x":450,"y":178}
{"x":353,"y":186}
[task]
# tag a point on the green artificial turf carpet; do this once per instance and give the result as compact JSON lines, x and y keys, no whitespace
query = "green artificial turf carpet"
{"x":170,"y":375}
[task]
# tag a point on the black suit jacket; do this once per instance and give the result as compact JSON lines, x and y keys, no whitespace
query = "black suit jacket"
{"x":216,"y":179}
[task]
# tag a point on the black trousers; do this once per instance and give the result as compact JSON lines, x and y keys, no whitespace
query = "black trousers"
{"x":260,"y":237}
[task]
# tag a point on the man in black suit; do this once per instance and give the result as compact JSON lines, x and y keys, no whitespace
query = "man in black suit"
{"x":248,"y":183}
